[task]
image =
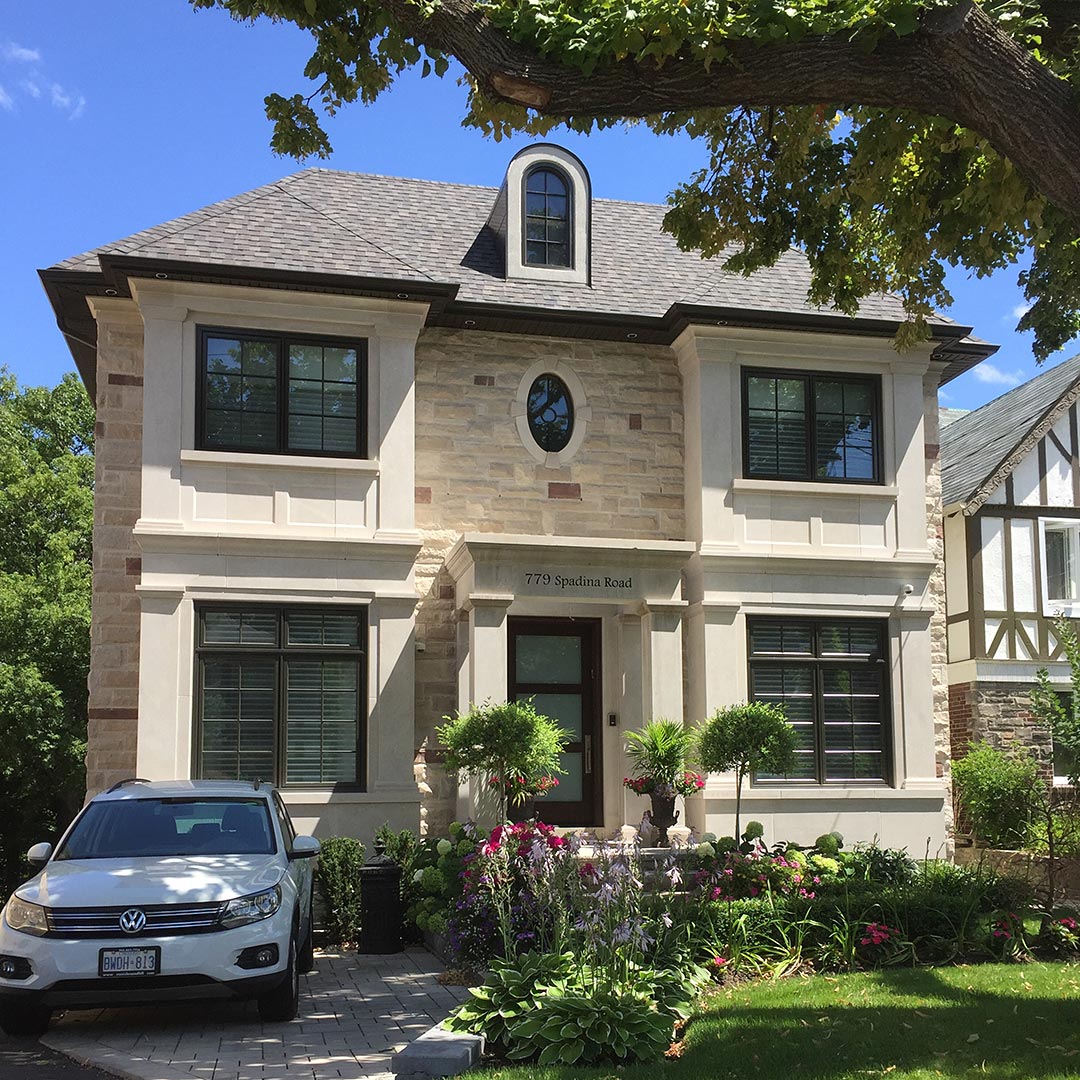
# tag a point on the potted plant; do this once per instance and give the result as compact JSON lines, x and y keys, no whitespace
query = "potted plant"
{"x":658,"y":753}
{"x":748,"y":738}
{"x":510,"y":744}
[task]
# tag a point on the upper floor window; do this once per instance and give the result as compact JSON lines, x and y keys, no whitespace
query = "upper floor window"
{"x":799,"y":426}
{"x":281,"y":393}
{"x":547,"y":218}
{"x":1061,"y":562}
{"x":550,"y":413}
{"x":830,"y":677}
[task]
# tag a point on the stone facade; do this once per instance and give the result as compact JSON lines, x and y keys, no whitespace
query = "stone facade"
{"x":474,"y":474}
{"x":939,"y":651}
{"x":998,"y":713}
{"x":114,"y":655}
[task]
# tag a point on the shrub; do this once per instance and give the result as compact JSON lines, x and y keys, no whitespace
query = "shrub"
{"x":339,"y":886}
{"x":998,"y":792}
{"x":406,"y":849}
{"x":749,"y":738}
{"x":510,"y":741}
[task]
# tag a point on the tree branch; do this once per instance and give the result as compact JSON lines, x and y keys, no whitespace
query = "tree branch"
{"x":957,"y":64}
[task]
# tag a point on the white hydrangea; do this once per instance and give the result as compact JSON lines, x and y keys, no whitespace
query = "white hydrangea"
{"x":444,"y":847}
{"x":706,"y":850}
{"x":417,"y":876}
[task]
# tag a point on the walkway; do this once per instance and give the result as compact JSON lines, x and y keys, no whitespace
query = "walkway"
{"x":354,"y":1013}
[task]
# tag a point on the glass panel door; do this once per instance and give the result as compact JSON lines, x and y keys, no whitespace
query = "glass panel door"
{"x":556,"y":663}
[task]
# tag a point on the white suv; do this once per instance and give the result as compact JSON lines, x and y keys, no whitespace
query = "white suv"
{"x":160,"y":891}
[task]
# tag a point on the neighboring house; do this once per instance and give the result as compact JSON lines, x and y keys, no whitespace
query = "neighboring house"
{"x":372,"y":449}
{"x":1011,"y":491}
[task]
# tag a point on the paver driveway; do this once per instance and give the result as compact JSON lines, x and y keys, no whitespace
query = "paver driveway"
{"x":355,"y":1012}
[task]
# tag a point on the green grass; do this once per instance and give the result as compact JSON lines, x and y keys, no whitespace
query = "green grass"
{"x":998,"y":1021}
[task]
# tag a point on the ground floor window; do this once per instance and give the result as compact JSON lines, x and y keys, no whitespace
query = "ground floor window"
{"x":831,"y":677}
{"x":279,"y":694}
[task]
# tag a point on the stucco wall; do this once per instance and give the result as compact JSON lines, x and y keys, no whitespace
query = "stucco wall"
{"x":474,"y":474}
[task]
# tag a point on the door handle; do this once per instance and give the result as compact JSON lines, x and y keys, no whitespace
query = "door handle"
{"x":588,"y":754}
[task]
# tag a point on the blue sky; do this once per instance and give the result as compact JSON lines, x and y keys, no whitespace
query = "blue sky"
{"x":115,"y":117}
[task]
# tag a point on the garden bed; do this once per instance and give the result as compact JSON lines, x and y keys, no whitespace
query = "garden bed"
{"x":1025,"y":866}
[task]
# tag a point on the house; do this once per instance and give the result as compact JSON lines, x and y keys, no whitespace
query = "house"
{"x":372,"y":449}
{"x":1011,"y":492}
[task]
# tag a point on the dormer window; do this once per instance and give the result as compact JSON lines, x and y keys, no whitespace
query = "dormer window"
{"x":547,"y":217}
{"x":542,"y":216}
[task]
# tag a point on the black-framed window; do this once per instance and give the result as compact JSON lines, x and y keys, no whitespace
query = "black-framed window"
{"x":809,"y":426}
{"x":550,"y":412}
{"x":280,"y":694}
{"x":547,"y":218}
{"x":831,"y":677}
{"x":281,"y":393}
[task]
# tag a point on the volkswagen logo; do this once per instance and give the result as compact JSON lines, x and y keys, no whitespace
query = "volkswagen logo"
{"x":132,"y":921}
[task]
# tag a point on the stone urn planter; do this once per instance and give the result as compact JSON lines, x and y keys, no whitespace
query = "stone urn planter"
{"x":662,"y":816}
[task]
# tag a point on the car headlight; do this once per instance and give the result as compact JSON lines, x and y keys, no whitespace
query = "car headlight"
{"x":25,"y":917}
{"x":249,"y":909}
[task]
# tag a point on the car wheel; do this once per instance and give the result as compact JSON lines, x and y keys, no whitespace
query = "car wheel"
{"x":283,"y":1002}
{"x":23,"y":1019}
{"x":306,"y":958}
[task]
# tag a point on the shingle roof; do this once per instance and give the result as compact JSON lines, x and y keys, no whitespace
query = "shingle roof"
{"x":324,"y":221}
{"x":950,"y":416}
{"x":976,"y":447}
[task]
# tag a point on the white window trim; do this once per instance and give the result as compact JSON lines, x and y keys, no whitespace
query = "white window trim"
{"x":519,"y":410}
{"x":1052,"y":606}
{"x":565,"y":163}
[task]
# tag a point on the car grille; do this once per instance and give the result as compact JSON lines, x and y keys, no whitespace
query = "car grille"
{"x":161,"y":919}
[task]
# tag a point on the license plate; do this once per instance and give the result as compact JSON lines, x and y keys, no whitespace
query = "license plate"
{"x":129,"y":961}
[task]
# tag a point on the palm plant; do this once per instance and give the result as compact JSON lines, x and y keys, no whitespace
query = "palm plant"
{"x":659,"y":751}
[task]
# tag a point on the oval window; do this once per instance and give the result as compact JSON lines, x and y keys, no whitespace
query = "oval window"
{"x":550,"y":413}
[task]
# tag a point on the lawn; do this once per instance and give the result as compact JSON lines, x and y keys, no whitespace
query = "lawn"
{"x":1000,"y":1021}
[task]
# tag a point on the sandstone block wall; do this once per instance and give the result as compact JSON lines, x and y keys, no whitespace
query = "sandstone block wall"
{"x":939,"y":652}
{"x":473,"y":474}
{"x":114,"y":655}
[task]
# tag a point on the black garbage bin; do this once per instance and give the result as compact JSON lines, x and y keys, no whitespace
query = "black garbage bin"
{"x":380,"y":903}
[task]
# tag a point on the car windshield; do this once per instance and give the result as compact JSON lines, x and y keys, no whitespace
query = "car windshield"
{"x":159,"y":828}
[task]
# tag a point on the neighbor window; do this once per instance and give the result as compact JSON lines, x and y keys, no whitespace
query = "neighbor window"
{"x":280,"y":694}
{"x":547,"y":218}
{"x":280,"y":393}
{"x":1061,"y":562}
{"x":830,"y":676}
{"x":810,"y":427}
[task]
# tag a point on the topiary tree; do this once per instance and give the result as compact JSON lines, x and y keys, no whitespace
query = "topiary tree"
{"x":748,"y":738}
{"x":510,"y":742}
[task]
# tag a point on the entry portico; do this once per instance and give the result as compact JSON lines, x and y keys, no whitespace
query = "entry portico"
{"x":592,"y":627}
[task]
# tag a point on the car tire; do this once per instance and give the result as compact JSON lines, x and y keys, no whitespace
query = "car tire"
{"x":306,"y":957}
{"x":23,"y":1020}
{"x":283,"y":1002}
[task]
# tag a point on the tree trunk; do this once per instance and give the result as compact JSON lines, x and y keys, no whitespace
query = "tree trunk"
{"x":957,"y":64}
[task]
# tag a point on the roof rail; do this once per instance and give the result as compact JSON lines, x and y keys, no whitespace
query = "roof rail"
{"x":129,"y":780}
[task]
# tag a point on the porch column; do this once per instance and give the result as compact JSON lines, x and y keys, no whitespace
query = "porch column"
{"x":662,"y":670}
{"x":484,"y":679}
{"x":391,"y":696}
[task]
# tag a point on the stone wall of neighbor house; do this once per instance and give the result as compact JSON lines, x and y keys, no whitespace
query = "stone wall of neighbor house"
{"x":474,"y":474}
{"x":939,"y":653}
{"x":114,"y":655}
{"x":998,"y":713}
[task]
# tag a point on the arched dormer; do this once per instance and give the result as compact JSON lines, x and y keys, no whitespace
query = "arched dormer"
{"x":542,"y":215}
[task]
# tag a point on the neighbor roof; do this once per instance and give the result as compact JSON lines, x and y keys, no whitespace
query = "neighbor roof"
{"x":431,"y":238}
{"x":981,"y":449}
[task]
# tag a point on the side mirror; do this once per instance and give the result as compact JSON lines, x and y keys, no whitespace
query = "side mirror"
{"x":39,"y":854}
{"x":305,"y":847}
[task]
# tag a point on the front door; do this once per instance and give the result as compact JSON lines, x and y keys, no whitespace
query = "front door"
{"x":556,"y":662}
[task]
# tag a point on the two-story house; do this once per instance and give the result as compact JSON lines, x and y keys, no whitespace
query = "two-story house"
{"x":373,"y":449}
{"x":1011,"y":492}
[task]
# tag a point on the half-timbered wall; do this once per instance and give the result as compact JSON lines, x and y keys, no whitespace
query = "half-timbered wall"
{"x":996,"y":558}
